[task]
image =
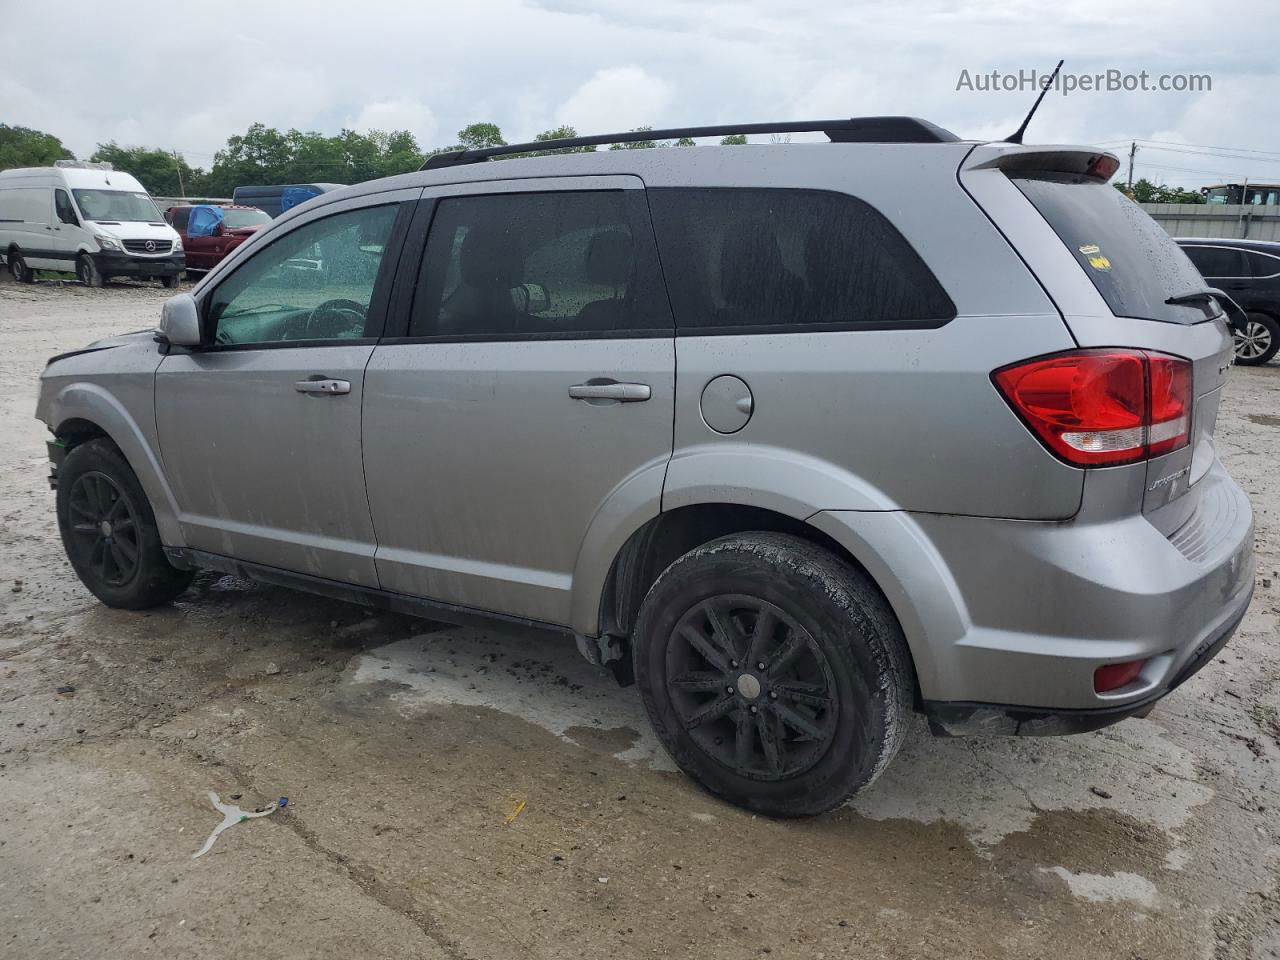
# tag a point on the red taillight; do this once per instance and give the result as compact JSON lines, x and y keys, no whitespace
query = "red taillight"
{"x":1103,"y":167}
{"x":1116,"y":675}
{"x":1095,"y":408}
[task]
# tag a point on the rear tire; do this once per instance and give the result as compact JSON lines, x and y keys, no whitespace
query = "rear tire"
{"x":87,"y":271}
{"x":1259,"y":340}
{"x":789,"y":720}
{"x":19,"y":270}
{"x":109,"y":530}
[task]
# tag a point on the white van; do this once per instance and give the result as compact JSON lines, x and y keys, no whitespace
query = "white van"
{"x":88,"y":218}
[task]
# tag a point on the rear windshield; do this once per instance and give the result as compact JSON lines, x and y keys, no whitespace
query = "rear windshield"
{"x":243,"y":218}
{"x":1135,"y":265}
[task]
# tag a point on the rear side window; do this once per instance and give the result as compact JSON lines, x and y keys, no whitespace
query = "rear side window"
{"x":1217,"y":261}
{"x":569,"y":264}
{"x":786,"y":260}
{"x":1262,"y":265}
{"x":1132,"y":262}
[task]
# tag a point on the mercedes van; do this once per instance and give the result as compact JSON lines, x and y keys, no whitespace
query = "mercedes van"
{"x":85,"y":217}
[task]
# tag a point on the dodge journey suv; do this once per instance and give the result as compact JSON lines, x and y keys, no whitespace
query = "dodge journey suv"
{"x":801,"y":437}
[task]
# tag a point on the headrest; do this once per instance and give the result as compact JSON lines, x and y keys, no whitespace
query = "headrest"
{"x":490,"y":258}
{"x":609,"y":259}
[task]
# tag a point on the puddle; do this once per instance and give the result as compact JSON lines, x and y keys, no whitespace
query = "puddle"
{"x":543,"y":680}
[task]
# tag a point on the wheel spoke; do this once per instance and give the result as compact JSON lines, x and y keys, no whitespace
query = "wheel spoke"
{"x":127,"y":549}
{"x":769,"y":741}
{"x":697,"y":681}
{"x":117,"y":508}
{"x":725,"y":636}
{"x":786,"y":655}
{"x":81,"y":508}
{"x":798,"y":721}
{"x":744,"y":743}
{"x":813,"y":694}
{"x":711,"y":710}
{"x":90,"y":529}
{"x":765,"y":626}
{"x":709,"y":653}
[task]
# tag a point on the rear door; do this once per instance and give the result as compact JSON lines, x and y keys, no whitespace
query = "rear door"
{"x":529,"y":389}
{"x":260,"y":432}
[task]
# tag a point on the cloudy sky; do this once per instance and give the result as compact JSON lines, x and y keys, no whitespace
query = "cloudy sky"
{"x":185,"y":77}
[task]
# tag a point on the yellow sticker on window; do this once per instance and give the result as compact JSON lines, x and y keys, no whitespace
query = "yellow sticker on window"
{"x":1100,"y":263}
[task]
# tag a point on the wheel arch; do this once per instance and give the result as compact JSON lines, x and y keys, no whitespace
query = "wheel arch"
{"x":662,"y":539}
{"x":82,"y":411}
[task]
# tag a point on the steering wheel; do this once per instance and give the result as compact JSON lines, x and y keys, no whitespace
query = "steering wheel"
{"x":334,"y":319}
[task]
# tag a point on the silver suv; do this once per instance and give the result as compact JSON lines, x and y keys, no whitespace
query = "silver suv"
{"x":801,"y":437}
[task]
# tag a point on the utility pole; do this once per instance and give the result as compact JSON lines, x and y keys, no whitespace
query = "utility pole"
{"x":177,"y":161}
{"x":1133,"y":148}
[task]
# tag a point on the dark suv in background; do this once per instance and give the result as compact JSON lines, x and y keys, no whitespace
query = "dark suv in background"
{"x":1248,"y":270}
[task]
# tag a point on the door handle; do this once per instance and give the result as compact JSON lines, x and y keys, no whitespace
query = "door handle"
{"x":622,"y":392}
{"x":323,"y":386}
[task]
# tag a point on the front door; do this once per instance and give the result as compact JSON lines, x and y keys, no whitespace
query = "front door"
{"x":531,"y":391}
{"x":260,"y":433}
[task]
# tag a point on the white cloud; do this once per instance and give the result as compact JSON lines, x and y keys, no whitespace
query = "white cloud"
{"x":616,"y":98}
{"x":390,"y":115}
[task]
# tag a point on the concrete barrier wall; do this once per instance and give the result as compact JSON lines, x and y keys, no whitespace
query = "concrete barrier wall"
{"x":1217,"y":220}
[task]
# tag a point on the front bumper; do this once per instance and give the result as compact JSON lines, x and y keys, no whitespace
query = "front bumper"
{"x":112,"y":264}
{"x":1007,"y":620}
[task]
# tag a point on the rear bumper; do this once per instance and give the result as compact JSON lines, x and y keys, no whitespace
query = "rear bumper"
{"x":1007,"y":620}
{"x":990,"y":719}
{"x":118,"y":264}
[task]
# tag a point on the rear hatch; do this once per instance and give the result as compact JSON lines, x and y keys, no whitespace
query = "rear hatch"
{"x":1112,"y":270}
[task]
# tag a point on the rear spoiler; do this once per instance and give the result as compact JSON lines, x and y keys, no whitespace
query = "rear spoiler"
{"x":1014,"y":160}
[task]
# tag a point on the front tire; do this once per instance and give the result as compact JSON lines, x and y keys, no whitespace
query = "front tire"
{"x":109,"y":531}
{"x":170,"y":282}
{"x":774,"y":673}
{"x":19,"y":270}
{"x":1259,"y":340}
{"x":87,"y":271}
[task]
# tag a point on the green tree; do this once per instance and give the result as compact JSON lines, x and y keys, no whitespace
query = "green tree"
{"x":685,"y":142}
{"x":1144,"y":191}
{"x":734,"y":140}
{"x":560,"y":133}
{"x":476,"y":136}
{"x":164,"y":174}
{"x":24,"y":147}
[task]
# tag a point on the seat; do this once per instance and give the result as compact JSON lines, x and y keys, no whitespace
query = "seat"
{"x":609,"y":262}
{"x":490,"y":262}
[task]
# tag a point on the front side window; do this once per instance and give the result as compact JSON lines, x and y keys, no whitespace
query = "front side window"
{"x":62,"y":205}
{"x":121,"y":206}
{"x":314,"y":283}
{"x":1217,"y":261}
{"x":788,"y":260}
{"x":569,"y":264}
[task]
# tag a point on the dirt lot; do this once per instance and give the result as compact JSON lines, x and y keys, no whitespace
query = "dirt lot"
{"x":465,"y":793}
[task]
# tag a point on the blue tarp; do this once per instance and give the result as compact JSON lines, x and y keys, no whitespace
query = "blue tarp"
{"x":204,"y":219}
{"x":292,"y":196}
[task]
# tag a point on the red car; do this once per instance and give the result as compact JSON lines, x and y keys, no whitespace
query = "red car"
{"x":211,"y":231}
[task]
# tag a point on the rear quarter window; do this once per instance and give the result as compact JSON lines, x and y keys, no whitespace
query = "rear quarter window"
{"x":778,"y":260}
{"x":1130,"y":259}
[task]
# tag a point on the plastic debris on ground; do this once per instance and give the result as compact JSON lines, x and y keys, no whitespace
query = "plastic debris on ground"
{"x":231,"y":815}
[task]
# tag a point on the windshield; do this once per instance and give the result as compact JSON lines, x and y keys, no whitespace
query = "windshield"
{"x":122,"y":205}
{"x":232,"y":219}
{"x":1135,"y":265}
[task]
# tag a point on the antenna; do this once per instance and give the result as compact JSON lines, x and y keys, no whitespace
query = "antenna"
{"x":1017,"y":136}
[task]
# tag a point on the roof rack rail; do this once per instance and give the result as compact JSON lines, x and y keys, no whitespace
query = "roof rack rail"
{"x":851,"y":130}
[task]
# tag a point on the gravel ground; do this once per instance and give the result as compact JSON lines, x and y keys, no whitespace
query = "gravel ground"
{"x":470,"y":793}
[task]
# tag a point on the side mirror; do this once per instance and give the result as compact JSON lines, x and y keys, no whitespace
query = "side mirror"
{"x":180,"y":321}
{"x":219,"y":229}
